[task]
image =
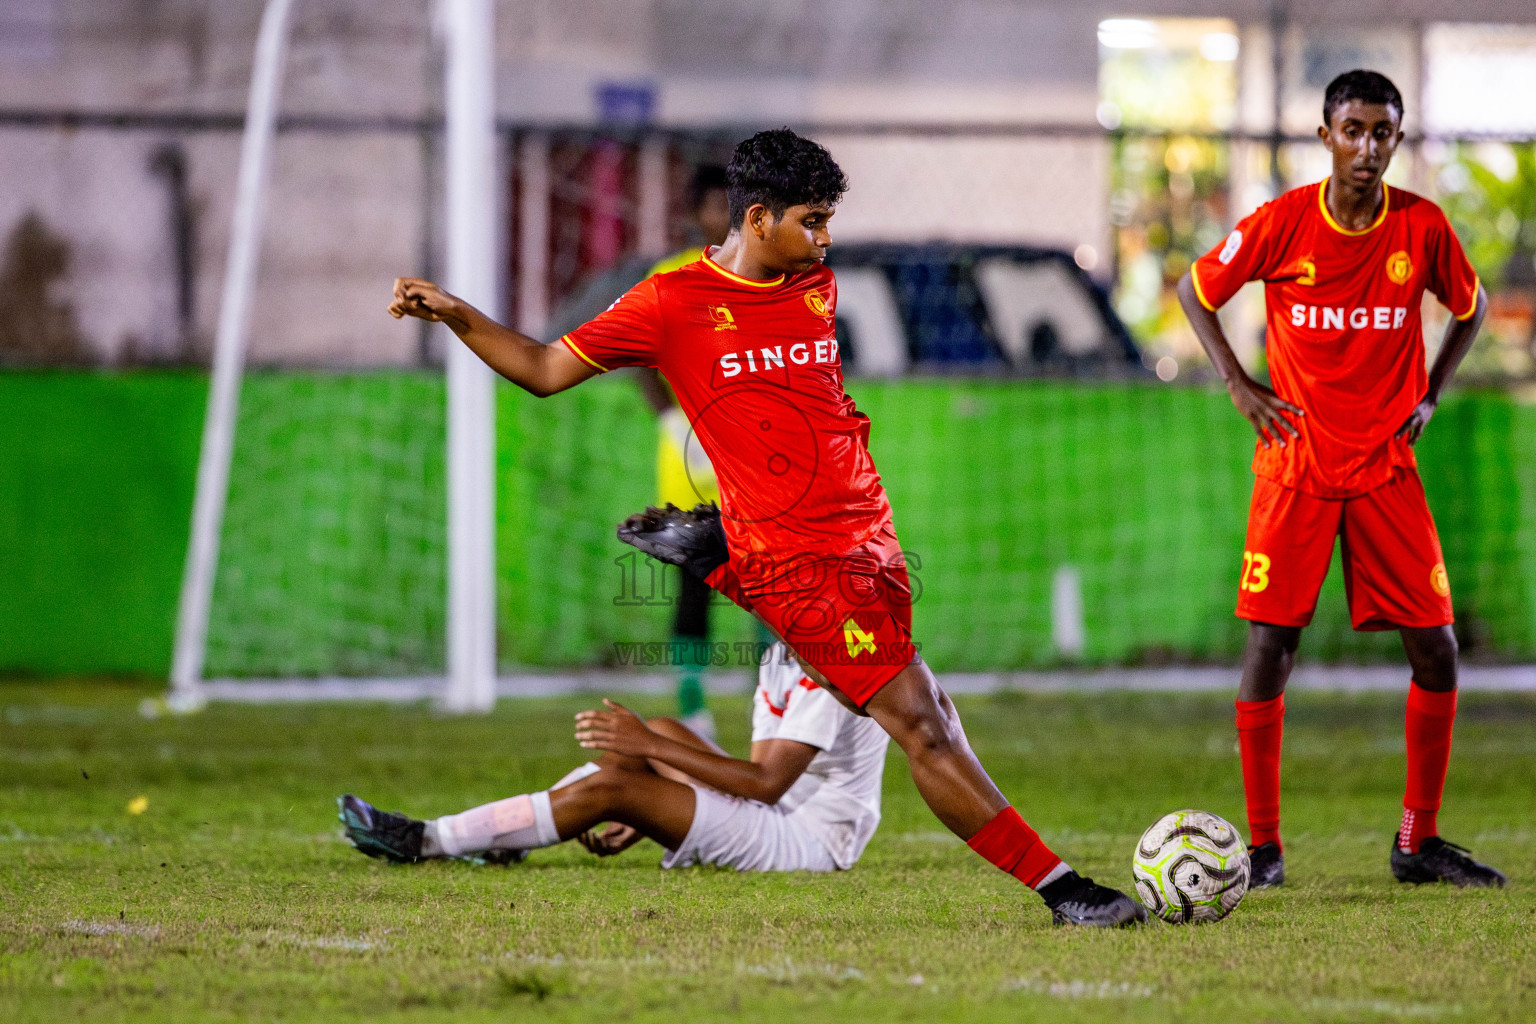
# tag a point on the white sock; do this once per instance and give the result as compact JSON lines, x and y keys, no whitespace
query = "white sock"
{"x":523,"y":822}
{"x":1056,"y":872}
{"x":575,"y":775}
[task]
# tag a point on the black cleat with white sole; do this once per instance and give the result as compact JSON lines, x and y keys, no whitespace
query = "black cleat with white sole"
{"x":1266,"y":866}
{"x":1440,"y":861}
{"x":1076,"y":900}
{"x":693,"y":540}
{"x":377,"y":833}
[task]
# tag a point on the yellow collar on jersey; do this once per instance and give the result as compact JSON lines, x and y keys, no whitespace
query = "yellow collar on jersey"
{"x":717,"y":268}
{"x":1322,"y":203}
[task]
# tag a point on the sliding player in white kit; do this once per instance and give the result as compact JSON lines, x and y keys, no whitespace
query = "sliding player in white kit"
{"x":807,"y":800}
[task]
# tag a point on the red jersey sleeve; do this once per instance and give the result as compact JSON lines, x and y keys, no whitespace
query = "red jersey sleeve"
{"x":627,"y":333}
{"x":1450,"y":276}
{"x":1247,"y":254}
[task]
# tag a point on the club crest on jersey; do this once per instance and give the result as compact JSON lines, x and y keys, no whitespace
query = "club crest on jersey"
{"x":1439,"y":582}
{"x":1234,"y":243}
{"x":1399,"y":267}
{"x":817,"y":303}
{"x":1308,"y":272}
{"x":858,"y":640}
{"x":724,"y":321}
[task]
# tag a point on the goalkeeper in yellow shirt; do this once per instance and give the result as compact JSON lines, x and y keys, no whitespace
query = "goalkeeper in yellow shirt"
{"x":683,"y":473}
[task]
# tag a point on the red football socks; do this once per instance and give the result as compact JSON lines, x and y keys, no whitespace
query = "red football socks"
{"x":1428,"y":731}
{"x":1259,"y":725}
{"x":1007,"y":842}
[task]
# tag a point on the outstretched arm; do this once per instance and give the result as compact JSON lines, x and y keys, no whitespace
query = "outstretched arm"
{"x":1258,"y":403}
{"x":1459,"y":336}
{"x":774,"y":767}
{"x":538,"y":369}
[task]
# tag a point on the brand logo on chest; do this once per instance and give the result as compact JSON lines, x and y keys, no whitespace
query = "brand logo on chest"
{"x":722,"y":317}
{"x":758,"y":360}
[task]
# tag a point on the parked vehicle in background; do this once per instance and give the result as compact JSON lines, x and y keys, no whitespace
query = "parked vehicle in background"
{"x":941,"y":308}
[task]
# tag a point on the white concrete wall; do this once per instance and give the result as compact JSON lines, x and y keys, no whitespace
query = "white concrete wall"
{"x":347,"y":211}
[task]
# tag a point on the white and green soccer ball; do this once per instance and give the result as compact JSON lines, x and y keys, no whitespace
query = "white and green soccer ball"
{"x":1191,"y":866}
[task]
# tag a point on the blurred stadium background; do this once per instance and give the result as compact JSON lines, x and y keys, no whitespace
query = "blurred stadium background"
{"x":1028,"y":182}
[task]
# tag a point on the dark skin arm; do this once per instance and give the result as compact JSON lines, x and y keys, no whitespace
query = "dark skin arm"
{"x":616,"y":837}
{"x":1458,"y":341}
{"x":1259,"y":404}
{"x":774,"y":767}
{"x":541,"y":370}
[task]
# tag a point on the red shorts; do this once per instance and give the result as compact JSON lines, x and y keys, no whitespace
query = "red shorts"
{"x":1394,"y":573}
{"x":848,"y":616}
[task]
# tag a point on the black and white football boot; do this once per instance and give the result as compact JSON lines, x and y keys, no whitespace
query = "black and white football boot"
{"x":1077,"y":900}
{"x":1266,"y":866}
{"x":394,"y":837}
{"x":1440,"y":861}
{"x":693,"y":540}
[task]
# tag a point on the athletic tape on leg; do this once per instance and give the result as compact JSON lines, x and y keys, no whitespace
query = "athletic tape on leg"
{"x":523,"y":822}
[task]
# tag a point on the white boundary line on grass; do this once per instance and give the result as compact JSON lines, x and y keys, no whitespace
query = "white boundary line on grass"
{"x":1346,"y":678}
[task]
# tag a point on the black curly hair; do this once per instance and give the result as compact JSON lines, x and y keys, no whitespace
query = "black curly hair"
{"x":781,"y":169}
{"x":1362,"y":85}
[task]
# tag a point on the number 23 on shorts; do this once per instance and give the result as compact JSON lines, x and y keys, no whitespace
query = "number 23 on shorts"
{"x":1255,"y":572}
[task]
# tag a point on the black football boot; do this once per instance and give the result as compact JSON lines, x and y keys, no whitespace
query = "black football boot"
{"x":1266,"y":866}
{"x":693,"y":540}
{"x":380,"y":833}
{"x":1440,"y":861}
{"x":1076,"y":900}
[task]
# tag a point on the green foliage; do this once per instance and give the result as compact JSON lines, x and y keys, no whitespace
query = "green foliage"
{"x":232,"y":896}
{"x":1494,"y":215}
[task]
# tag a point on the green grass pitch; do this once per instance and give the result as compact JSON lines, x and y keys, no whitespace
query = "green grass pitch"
{"x":231,"y":896}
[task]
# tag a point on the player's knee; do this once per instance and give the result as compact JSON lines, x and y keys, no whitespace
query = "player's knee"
{"x":604,"y":788}
{"x":931,"y":738}
{"x":1273,"y":642}
{"x":927,"y":728}
{"x":1433,"y":654}
{"x":1446,"y":650}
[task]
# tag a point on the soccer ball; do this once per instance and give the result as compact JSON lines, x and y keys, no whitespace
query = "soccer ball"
{"x":1191,"y":866}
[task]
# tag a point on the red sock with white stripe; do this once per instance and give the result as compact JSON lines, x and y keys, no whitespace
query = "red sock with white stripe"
{"x":1427,"y":728}
{"x":1260,"y":724}
{"x":1011,"y":845}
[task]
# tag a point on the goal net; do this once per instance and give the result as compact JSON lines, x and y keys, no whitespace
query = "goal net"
{"x":1067,"y":496}
{"x":342,"y":529}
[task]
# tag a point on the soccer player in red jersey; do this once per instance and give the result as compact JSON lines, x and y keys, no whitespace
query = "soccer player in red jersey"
{"x":1345,"y":263}
{"x":745,"y":338}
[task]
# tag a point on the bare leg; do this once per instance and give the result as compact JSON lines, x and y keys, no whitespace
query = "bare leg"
{"x":1260,"y":717}
{"x":658,"y":808}
{"x":624,"y":772}
{"x":1432,"y":654}
{"x":1267,"y":660}
{"x":920,"y":717}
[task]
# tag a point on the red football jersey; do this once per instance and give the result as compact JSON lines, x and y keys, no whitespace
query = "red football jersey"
{"x":755,"y":365}
{"x":1344,"y":337}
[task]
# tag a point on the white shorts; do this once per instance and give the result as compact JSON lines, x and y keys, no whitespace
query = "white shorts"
{"x":743,"y":834}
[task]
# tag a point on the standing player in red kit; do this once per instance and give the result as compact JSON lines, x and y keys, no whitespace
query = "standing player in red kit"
{"x":745,"y":338}
{"x":1345,"y":263}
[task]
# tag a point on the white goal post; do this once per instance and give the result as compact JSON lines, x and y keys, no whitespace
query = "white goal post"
{"x":469,"y":685}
